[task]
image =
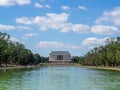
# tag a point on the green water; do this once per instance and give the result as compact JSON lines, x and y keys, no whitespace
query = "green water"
{"x":59,"y":78}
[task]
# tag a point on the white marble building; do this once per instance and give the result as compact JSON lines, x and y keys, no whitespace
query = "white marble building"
{"x":60,"y":56}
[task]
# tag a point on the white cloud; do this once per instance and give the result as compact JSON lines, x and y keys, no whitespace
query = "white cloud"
{"x":14,"y":2}
{"x":93,"y":42}
{"x":54,"y":44}
{"x":23,"y":2}
{"x":6,"y":3}
{"x":7,"y":27}
{"x":30,"y":34}
{"x":107,"y":30}
{"x":66,"y":27}
{"x":81,"y":28}
{"x":82,"y":8}
{"x":47,"y":6}
{"x":55,"y":22}
{"x":38,"y":5}
{"x":13,"y":39}
{"x":88,"y":43}
{"x":110,"y":17}
{"x":10,"y":27}
{"x":49,"y":19}
{"x":23,"y":28}
{"x":65,"y":8}
{"x":24,"y":20}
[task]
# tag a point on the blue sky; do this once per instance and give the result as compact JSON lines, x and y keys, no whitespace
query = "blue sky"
{"x":49,"y":25}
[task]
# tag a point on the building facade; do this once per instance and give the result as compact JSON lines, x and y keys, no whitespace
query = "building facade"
{"x":60,"y":56}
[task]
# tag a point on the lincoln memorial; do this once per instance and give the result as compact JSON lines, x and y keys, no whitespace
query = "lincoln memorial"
{"x":60,"y":56}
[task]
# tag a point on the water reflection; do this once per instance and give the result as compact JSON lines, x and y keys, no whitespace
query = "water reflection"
{"x":59,"y":78}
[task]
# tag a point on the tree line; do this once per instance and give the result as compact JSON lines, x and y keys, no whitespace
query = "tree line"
{"x":107,"y":55}
{"x":15,"y":53}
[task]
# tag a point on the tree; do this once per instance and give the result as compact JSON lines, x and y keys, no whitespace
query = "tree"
{"x":3,"y":45}
{"x":37,"y":58}
{"x":15,"y":52}
{"x":108,"y":55}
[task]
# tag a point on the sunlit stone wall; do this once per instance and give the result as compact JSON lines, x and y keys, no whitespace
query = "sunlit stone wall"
{"x":59,"y":56}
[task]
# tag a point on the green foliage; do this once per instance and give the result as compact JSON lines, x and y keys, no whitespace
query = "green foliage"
{"x":37,"y":58}
{"x":16,"y":53}
{"x":108,"y":55}
{"x":77,"y":59}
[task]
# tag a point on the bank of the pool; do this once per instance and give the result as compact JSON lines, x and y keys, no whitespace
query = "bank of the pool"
{"x":18,"y":67}
{"x":102,"y":67}
{"x":54,"y":64}
{"x":76,"y":64}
